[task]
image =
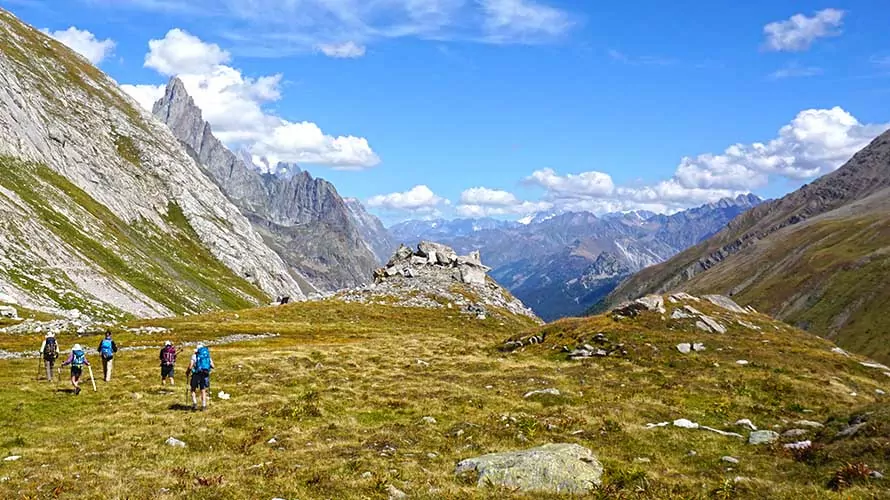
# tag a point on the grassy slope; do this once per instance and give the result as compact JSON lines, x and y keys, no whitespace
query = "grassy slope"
{"x":343,"y":392}
{"x":828,"y":275}
{"x":175,"y":270}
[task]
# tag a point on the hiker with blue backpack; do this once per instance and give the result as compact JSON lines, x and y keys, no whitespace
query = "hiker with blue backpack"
{"x":106,"y":349}
{"x":199,"y":368}
{"x":77,"y":359}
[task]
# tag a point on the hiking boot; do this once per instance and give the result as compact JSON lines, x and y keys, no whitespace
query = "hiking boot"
{"x":203,"y":408}
{"x":194,"y":407}
{"x":77,"y":391}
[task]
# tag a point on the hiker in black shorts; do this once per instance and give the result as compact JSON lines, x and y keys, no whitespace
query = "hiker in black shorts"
{"x":200,"y":367}
{"x":168,"y":360}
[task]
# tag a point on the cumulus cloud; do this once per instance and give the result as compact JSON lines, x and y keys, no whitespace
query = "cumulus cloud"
{"x":234,"y":105}
{"x":483,"y":202}
{"x":347,"y":50}
{"x":417,"y":199}
{"x":182,"y":53}
{"x":799,"y":32}
{"x":815,"y":142}
{"x":84,"y":43}
{"x":583,"y":185}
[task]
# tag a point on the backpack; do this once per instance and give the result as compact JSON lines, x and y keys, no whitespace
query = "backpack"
{"x":202,"y":360}
{"x":50,"y":349}
{"x":168,"y":355}
{"x":79,"y":359}
{"x":107,"y":349}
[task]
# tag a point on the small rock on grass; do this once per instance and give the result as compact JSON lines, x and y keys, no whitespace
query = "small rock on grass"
{"x":429,"y":420}
{"x":395,"y":493}
{"x":747,"y":423}
{"x":792,"y":433}
{"x":551,"y":392}
{"x":763,"y":437}
{"x":730,"y":460}
{"x":12,"y":458}
{"x":172,"y":441}
{"x":809,"y":423}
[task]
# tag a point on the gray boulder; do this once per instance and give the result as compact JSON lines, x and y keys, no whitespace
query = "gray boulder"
{"x":763,"y":437}
{"x":551,"y":468}
{"x":472,"y":275}
{"x":712,"y":324}
{"x":653,"y":303}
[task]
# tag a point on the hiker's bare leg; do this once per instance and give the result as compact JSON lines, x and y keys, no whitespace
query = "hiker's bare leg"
{"x":49,"y":369}
{"x":107,"y":365}
{"x":204,"y":398}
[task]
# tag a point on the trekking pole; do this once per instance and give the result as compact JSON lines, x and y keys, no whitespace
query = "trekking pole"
{"x":188,"y":384}
{"x":91,"y":378}
{"x":39,"y":359}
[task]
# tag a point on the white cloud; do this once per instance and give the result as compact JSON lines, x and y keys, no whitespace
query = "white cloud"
{"x":84,"y":43}
{"x":482,"y":202}
{"x":274,"y":28}
{"x":617,"y":55}
{"x":795,"y":70}
{"x":347,"y":50}
{"x":799,"y":32}
{"x":417,"y":199}
{"x":180,"y":52}
{"x":815,"y":142}
{"x":486,"y":196}
{"x":585,"y":184}
{"x":526,"y":20}
{"x":234,"y":106}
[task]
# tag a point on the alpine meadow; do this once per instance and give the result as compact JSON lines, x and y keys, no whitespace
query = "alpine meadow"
{"x":470,"y":277}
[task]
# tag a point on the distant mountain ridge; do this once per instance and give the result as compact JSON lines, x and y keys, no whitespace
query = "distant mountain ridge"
{"x":818,"y":257}
{"x":302,"y":218}
{"x":561,"y":264}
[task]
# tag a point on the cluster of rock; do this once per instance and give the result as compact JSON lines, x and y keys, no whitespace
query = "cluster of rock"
{"x":435,"y":276}
{"x":705,"y":323}
{"x":8,"y":312}
{"x":80,"y":324}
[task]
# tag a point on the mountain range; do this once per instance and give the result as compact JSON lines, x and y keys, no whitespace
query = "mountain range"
{"x":560,"y":265}
{"x":818,"y":258}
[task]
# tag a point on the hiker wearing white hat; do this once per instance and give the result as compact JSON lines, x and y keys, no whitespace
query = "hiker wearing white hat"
{"x":77,"y":359}
{"x":168,"y":360}
{"x":49,"y":352}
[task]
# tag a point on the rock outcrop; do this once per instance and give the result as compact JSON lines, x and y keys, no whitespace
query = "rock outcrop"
{"x":552,"y":468}
{"x":434,"y":275}
{"x":101,"y":209}
{"x":302,"y":218}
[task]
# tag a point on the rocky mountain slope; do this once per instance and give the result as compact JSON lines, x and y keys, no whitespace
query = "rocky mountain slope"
{"x":303,"y":219}
{"x":101,"y":209}
{"x":560,"y":265}
{"x":817,"y":257}
{"x":372,"y":230}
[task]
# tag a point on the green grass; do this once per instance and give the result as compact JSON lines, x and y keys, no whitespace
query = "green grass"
{"x":174,"y":269}
{"x":127,"y":149}
{"x":342,"y":391}
{"x":828,"y":277}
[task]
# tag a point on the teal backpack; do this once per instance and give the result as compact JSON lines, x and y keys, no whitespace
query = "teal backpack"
{"x":79,"y":359}
{"x":107,"y":349}
{"x":202,"y":360}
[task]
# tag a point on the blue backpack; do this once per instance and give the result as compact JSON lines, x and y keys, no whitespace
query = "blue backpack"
{"x":202,"y":360}
{"x":79,"y":359}
{"x":107,"y":349}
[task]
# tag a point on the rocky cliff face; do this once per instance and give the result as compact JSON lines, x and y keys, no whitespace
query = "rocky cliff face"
{"x":372,"y":230}
{"x":303,"y":219}
{"x":102,"y":209}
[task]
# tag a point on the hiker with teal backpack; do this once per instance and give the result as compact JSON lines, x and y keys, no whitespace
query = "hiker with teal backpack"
{"x":77,"y":359}
{"x":49,"y":351}
{"x":106,"y":349}
{"x":199,"y":368}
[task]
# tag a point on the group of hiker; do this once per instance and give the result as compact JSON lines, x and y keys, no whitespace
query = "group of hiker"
{"x":200,"y":364}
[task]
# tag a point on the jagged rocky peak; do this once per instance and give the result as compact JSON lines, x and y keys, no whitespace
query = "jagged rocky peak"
{"x":435,"y":276}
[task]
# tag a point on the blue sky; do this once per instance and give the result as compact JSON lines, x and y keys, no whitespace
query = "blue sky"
{"x":506,"y":107}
